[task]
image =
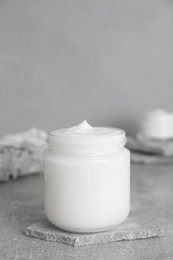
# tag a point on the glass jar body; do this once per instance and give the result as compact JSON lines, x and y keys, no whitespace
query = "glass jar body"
{"x":87,"y":194}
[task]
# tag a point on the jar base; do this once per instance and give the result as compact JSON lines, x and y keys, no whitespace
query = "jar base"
{"x":82,"y":231}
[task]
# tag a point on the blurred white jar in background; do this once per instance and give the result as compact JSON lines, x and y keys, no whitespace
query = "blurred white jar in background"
{"x":156,"y":124}
{"x":87,"y":178}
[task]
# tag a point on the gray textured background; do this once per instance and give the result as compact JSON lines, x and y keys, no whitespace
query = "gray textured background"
{"x":103,"y":60}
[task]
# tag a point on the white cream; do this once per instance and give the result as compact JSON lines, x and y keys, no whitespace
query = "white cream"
{"x":87,"y":178}
{"x":156,"y":124}
{"x":84,"y":127}
{"x":87,"y":131}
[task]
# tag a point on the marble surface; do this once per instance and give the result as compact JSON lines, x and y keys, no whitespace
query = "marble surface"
{"x":21,"y":204}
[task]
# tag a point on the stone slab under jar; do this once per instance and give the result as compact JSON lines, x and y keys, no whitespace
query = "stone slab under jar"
{"x":134,"y":228}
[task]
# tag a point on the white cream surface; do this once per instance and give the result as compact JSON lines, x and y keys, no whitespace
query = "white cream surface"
{"x":92,"y":193}
{"x":85,"y":129}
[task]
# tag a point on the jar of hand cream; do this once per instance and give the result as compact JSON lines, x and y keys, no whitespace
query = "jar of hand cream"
{"x":87,"y":178}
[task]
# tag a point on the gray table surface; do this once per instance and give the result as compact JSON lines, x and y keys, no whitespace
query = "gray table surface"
{"x":21,"y":204}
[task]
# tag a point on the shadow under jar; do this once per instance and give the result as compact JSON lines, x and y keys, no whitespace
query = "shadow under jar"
{"x":87,"y":178}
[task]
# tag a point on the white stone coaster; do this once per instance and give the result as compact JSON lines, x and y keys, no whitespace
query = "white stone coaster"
{"x":130,"y":230}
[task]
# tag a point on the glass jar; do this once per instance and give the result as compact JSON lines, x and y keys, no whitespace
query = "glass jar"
{"x":87,"y":178}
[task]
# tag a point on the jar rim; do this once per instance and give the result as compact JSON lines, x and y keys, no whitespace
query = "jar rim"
{"x":106,"y":135}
